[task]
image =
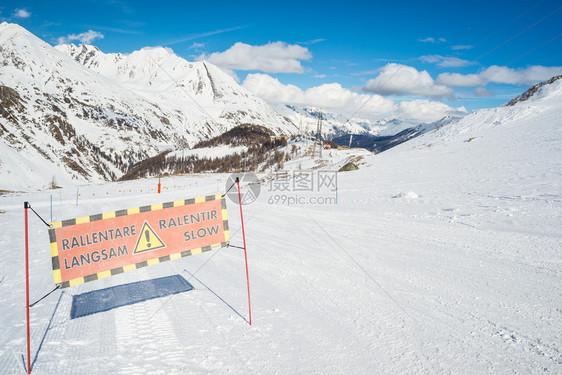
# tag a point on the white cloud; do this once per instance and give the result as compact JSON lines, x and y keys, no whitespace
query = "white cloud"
{"x":271,"y":89}
{"x":22,"y":13}
{"x":277,"y":57}
{"x":427,"y":111}
{"x":397,"y":79}
{"x":454,"y":62}
{"x":331,"y":95}
{"x":527,"y":76}
{"x":196,"y":45}
{"x":481,"y":92}
{"x":427,"y":40}
{"x":461,"y":47}
{"x":446,"y":61}
{"x":339,"y":99}
{"x":313,"y":41}
{"x":460,"y":80}
{"x":202,"y":35}
{"x":86,"y":37}
{"x":501,"y":75}
{"x":431,"y":58}
{"x":430,"y":39}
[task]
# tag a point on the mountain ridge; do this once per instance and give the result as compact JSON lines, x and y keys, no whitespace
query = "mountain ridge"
{"x":200,"y":88}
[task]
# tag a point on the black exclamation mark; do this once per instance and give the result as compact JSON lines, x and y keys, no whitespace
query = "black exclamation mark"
{"x":147,"y":235}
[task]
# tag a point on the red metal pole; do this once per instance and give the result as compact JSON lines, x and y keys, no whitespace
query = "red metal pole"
{"x":245,"y":253}
{"x":26,"y":205}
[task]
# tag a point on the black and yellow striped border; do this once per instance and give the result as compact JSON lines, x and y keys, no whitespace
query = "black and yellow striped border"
{"x":132,"y":211}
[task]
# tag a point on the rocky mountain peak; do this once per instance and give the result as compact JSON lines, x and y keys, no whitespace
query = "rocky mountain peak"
{"x":532,"y":91}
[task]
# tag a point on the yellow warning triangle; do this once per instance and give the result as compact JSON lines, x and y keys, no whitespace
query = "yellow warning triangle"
{"x":148,"y":240}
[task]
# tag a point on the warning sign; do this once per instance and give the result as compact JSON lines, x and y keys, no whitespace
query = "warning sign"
{"x":97,"y":246}
{"x":147,"y":240}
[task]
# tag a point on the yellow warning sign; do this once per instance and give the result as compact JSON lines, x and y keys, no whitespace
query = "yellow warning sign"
{"x":148,"y":240}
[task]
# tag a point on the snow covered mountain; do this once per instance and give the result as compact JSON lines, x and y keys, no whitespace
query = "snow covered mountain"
{"x":200,"y":90}
{"x":74,"y":114}
{"x":335,"y":125}
{"x":543,"y":98}
{"x":540,"y":97}
{"x":65,"y":121}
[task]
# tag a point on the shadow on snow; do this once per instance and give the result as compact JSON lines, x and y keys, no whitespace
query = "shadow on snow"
{"x":127,"y":294}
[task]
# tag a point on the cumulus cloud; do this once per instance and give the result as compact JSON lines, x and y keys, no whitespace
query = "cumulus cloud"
{"x":397,"y":79}
{"x":86,"y":37}
{"x":501,"y":75}
{"x":22,"y":13}
{"x":331,"y":95}
{"x":446,"y":61}
{"x":427,"y":111}
{"x":339,"y":99}
{"x":277,"y":57}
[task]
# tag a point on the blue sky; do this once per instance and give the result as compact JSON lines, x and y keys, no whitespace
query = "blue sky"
{"x":462,"y":54}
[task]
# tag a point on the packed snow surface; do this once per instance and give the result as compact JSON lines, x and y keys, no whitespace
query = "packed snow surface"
{"x":466,"y":278}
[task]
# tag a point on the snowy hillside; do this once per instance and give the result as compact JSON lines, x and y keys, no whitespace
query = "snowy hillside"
{"x":61,"y":119}
{"x":441,"y":256}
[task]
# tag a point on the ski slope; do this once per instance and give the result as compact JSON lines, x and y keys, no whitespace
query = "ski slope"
{"x":441,"y":256}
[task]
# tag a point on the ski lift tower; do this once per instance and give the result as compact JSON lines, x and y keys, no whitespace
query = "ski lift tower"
{"x":317,"y":150}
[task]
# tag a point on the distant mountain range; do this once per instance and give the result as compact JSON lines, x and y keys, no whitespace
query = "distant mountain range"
{"x":380,"y":143}
{"x":336,"y":125}
{"x":75,"y":114}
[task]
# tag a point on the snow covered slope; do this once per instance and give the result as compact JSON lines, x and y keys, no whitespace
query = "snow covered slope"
{"x":441,"y":256}
{"x":65,"y":120}
{"x":467,"y":237}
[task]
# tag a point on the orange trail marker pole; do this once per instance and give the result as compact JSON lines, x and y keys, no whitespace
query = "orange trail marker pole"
{"x":245,"y":253}
{"x":26,"y":206}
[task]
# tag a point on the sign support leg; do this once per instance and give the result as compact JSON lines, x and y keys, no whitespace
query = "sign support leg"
{"x":245,"y":253}
{"x":26,"y":206}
